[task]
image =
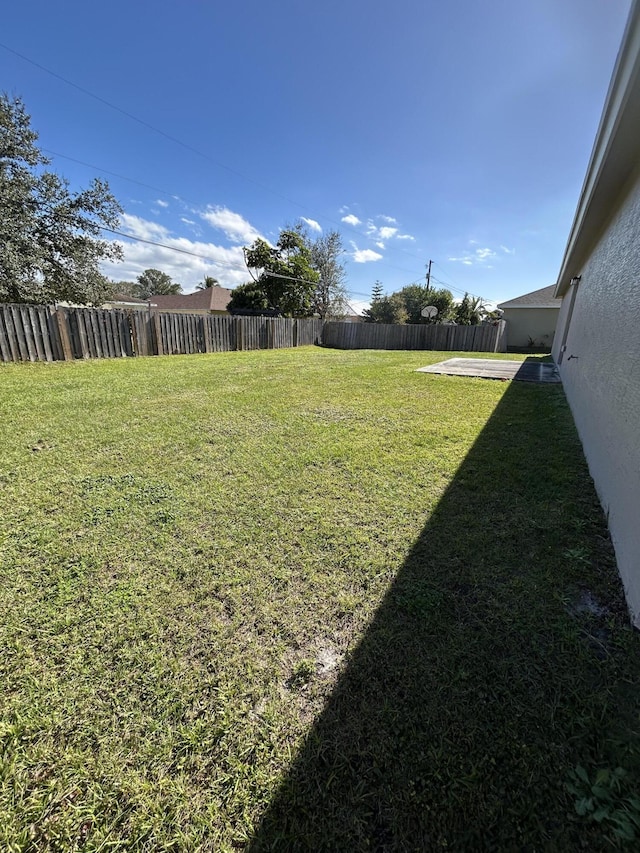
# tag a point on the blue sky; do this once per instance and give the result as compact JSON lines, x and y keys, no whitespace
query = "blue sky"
{"x":455,"y":131}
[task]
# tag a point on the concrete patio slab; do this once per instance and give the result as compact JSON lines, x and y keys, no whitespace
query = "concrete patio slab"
{"x":531,"y":370}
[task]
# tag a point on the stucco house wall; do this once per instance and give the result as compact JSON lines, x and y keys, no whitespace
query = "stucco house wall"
{"x":600,"y":371}
{"x":530,"y":327}
{"x":597,"y":342}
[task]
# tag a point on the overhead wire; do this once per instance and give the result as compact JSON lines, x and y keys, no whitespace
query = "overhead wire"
{"x":195,"y":150}
{"x":200,"y":153}
{"x":228,"y":264}
{"x":162,"y":192}
{"x":174,"y":249}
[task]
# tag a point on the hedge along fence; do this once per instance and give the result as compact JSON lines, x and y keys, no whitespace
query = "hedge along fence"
{"x":47,"y":333}
{"x":482,"y":338}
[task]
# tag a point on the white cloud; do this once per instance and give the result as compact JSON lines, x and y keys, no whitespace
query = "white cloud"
{"x":162,"y":203}
{"x":226,"y":263}
{"x":351,"y":219}
{"x":388,"y":219}
{"x":508,"y":251}
{"x":187,"y":221}
{"x":364,"y":256}
{"x":405,"y":237}
{"x":143,"y":228}
{"x":479,"y":256}
{"x":233,"y":225}
{"x":315,"y":226}
{"x":386,"y":232}
{"x":483,"y":254}
{"x":380,"y":244}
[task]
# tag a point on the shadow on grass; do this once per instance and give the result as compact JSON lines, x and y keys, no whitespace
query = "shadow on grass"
{"x":480,"y":681}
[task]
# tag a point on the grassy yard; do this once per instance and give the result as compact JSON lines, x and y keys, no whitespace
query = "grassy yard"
{"x":305,"y":600}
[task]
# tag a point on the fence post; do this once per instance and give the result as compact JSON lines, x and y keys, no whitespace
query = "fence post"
{"x":63,"y":331}
{"x":206,"y":322}
{"x":158,"y":330}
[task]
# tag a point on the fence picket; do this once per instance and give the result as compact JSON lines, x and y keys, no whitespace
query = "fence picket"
{"x":5,"y":350}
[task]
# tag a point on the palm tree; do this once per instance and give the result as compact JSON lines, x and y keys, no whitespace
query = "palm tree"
{"x":209,"y":281}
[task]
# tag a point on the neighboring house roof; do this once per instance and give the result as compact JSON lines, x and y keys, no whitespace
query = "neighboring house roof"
{"x":614,"y":157}
{"x":121,"y":298}
{"x":210,"y":299}
{"x":542,"y":298}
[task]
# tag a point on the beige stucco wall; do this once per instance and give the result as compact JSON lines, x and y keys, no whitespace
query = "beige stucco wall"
{"x":602,"y":380}
{"x":524,"y":324}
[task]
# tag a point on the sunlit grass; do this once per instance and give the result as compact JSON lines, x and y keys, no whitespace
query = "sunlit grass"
{"x":191,"y":550}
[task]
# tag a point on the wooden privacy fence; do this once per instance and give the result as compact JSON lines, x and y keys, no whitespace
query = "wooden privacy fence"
{"x":47,"y":333}
{"x":489,"y":338}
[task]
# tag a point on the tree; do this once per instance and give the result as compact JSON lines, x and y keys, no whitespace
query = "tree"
{"x":385,"y":309}
{"x":209,"y":281}
{"x":330,"y":298}
{"x":470,"y":311}
{"x":287,"y":280}
{"x":50,"y":243}
{"x":377,"y":291}
{"x":123,"y":288}
{"x":405,"y":305}
{"x":156,"y":283}
{"x":249,"y":296}
{"x":415,"y":297}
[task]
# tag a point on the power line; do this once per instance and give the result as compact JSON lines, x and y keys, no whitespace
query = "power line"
{"x":178,"y":197}
{"x":175,"y":195}
{"x":459,"y":290}
{"x":194,"y":150}
{"x":289,"y":277}
{"x":117,"y":175}
{"x":200,"y":153}
{"x":203,"y":257}
{"x":174,"y":249}
{"x":144,"y":123}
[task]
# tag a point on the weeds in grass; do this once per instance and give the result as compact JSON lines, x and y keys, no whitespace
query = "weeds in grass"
{"x":607,"y":798}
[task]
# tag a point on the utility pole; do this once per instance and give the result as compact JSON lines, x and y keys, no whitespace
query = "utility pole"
{"x":429,"y":275}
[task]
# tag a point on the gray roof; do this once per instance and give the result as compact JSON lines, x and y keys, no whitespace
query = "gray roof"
{"x":210,"y":299}
{"x":542,"y":298}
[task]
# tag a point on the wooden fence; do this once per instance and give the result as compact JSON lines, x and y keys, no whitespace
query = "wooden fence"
{"x":47,"y":333}
{"x":489,"y":338}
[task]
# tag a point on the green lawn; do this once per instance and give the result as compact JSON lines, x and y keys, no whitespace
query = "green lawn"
{"x":305,"y":600}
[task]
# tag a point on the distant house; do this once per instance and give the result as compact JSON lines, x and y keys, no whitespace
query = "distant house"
{"x":597,"y":342}
{"x":351,"y":316}
{"x":531,"y":318}
{"x":212,"y":300}
{"x":129,"y":303}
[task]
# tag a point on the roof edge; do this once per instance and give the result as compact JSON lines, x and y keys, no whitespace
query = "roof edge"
{"x":555,"y":304}
{"x":613,"y":155}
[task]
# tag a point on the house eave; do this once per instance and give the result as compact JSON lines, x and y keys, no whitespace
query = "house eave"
{"x":613,"y":158}
{"x":506,"y":305}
